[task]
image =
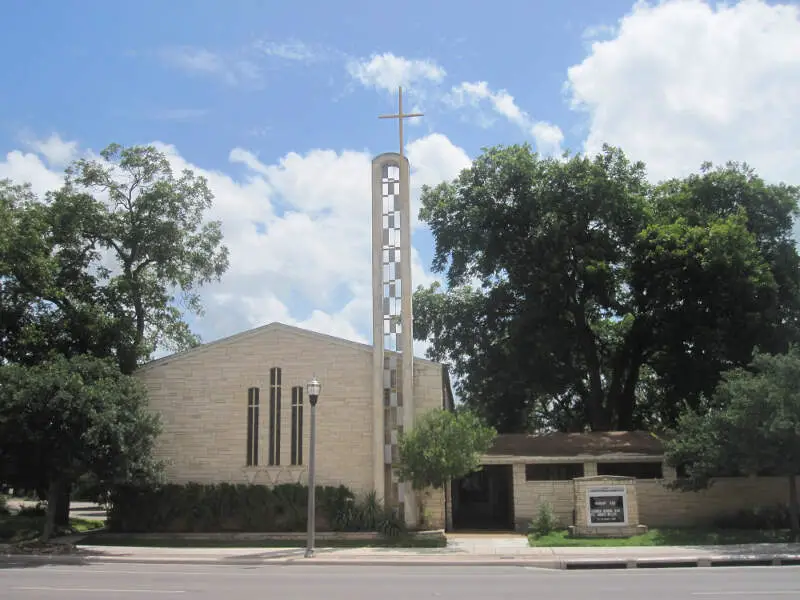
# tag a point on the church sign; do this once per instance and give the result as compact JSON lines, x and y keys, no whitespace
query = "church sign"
{"x":607,"y":506}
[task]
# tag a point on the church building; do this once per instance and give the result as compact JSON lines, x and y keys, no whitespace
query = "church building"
{"x":234,"y":410}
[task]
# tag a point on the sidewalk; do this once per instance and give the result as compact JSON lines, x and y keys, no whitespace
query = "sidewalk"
{"x":512,"y":554}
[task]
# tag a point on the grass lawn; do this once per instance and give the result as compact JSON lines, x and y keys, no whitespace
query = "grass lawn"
{"x":667,"y":537}
{"x":25,"y":528}
{"x":100,"y":539}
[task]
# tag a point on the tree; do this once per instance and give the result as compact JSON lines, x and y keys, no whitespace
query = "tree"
{"x":70,"y":416}
{"x":50,"y":298}
{"x":751,"y":426}
{"x":579,"y":295}
{"x":108,"y":263}
{"x":443,"y":446}
{"x":152,"y":224}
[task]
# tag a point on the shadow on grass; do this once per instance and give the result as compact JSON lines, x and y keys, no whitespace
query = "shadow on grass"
{"x":719,"y":537}
{"x":16,"y":528}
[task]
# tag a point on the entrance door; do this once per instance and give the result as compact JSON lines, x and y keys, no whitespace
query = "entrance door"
{"x":484,"y":500}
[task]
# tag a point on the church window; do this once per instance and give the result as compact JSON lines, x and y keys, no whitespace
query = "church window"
{"x":639,"y":470}
{"x":252,"y":427}
{"x":274,"y":416}
{"x":297,"y":425}
{"x":553,"y":472}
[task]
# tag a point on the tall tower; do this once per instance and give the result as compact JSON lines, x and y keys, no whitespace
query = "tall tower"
{"x":392,"y":322}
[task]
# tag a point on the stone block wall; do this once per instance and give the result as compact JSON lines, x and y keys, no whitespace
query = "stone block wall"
{"x":662,"y":507}
{"x":202,"y":398}
{"x":658,"y":506}
{"x":528,"y":495}
{"x":428,"y":396}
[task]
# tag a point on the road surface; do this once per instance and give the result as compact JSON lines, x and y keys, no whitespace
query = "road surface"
{"x":137,"y":581}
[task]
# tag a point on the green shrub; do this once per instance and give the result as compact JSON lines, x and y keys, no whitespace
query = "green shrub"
{"x":390,"y":524}
{"x":4,"y":506}
{"x":761,"y":517}
{"x":225,"y":507}
{"x":545,"y":522}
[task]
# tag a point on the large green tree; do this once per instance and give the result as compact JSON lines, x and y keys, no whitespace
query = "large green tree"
{"x":109,"y":263}
{"x":580,"y":295}
{"x":750,"y":426}
{"x":69,"y":416}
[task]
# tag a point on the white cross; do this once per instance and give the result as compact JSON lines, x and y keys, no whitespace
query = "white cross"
{"x":400,"y":116}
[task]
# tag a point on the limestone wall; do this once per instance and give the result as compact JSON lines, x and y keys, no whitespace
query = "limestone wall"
{"x":202,"y":398}
{"x":661,"y":507}
{"x":658,"y":506}
{"x":434,"y":509}
{"x":528,"y":495}
{"x":428,"y":396}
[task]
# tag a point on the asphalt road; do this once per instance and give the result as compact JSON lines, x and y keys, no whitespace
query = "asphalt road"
{"x":136,"y":581}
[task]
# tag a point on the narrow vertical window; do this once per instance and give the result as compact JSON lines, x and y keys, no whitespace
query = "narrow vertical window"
{"x":252,"y":427}
{"x":274,"y":416}
{"x":297,"y":425}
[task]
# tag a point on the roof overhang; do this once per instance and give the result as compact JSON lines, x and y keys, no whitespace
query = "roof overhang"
{"x":501,"y":459}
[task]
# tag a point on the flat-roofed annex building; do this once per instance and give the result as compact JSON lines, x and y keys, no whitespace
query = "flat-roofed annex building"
{"x":521,"y":472}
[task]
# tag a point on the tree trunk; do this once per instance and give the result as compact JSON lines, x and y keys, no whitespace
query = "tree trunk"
{"x":626,"y":403}
{"x":596,"y":410}
{"x":794,"y":508}
{"x":62,"y":507}
{"x":54,"y":493}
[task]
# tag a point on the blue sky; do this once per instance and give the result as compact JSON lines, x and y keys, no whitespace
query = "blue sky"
{"x":277,"y":102}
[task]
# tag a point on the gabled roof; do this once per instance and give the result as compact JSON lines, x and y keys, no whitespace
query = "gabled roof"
{"x":596,"y":443}
{"x":274,"y":326}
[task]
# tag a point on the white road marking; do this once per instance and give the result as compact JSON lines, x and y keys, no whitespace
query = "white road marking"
{"x":96,"y":590}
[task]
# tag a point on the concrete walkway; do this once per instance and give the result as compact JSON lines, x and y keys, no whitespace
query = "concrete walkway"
{"x":460,"y":552}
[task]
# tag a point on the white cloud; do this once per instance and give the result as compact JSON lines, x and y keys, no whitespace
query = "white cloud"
{"x":233,"y":70}
{"x":387,"y":71}
{"x":298,"y":232}
{"x":193,"y":59}
{"x":682,"y":82}
{"x":57,"y":152}
{"x":29,"y":168}
{"x":433,"y":158}
{"x":293,"y":50}
{"x":548,"y":137}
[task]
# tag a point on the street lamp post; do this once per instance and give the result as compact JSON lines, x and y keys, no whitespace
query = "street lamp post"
{"x":313,"y":388}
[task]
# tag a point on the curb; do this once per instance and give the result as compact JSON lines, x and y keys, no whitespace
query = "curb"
{"x":552,"y":564}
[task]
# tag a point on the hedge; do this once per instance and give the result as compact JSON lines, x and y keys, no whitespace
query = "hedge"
{"x":768,"y":518}
{"x":224,"y":507}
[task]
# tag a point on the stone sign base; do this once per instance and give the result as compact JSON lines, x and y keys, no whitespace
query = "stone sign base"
{"x":607,"y":532}
{"x":606,"y":507}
